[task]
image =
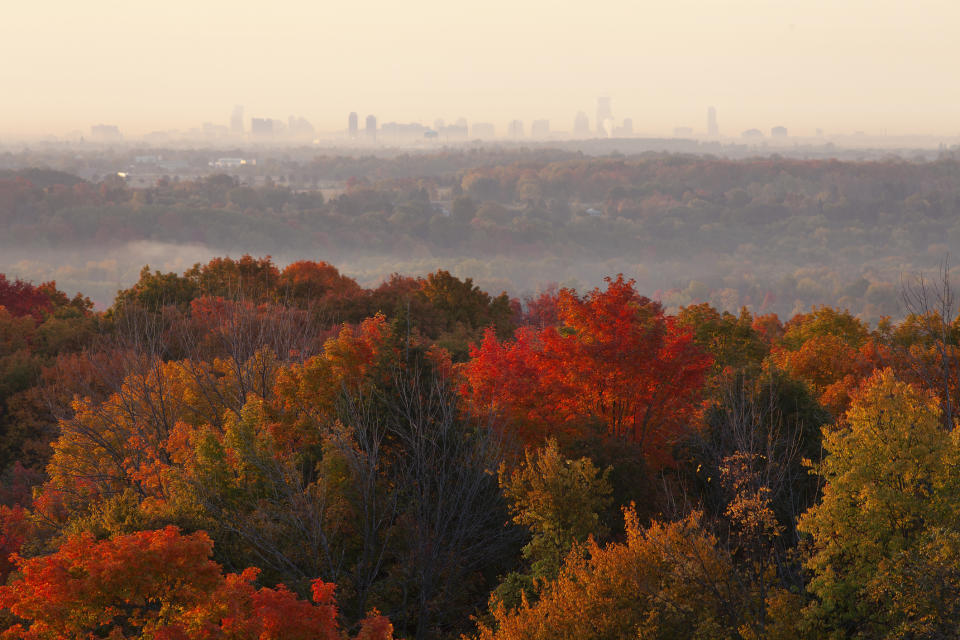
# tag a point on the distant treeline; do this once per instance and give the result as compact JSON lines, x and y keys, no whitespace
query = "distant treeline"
{"x":772,"y":233}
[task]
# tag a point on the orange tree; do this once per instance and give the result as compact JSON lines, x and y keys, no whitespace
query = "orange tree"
{"x":162,"y":585}
{"x":617,"y":362}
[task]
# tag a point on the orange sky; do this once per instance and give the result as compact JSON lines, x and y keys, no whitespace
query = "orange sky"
{"x":839,"y":65}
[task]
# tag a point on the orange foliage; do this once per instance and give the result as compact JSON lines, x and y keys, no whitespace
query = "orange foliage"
{"x":833,"y":368}
{"x":159,"y":584}
{"x":617,"y":361}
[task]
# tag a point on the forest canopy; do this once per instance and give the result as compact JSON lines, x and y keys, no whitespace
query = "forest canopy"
{"x":249,"y":450}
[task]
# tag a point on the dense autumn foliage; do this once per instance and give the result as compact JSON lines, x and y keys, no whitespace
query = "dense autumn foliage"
{"x":223,"y":449}
{"x":614,"y":360}
{"x":160,"y":584}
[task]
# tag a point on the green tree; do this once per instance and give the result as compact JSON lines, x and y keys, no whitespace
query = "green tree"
{"x":560,"y":501}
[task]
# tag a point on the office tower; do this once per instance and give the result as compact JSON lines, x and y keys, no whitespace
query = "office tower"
{"x":778,"y":132}
{"x":713,"y":130}
{"x":627,"y":129}
{"x":581,"y":125}
{"x":540,"y":129}
{"x":371,"y":127}
{"x":604,"y":117}
{"x":236,"y":121}
{"x":353,"y":124}
{"x":515,"y":129}
{"x":299,"y":127}
{"x":483,"y":130}
{"x":261,"y":126}
{"x":105,"y":133}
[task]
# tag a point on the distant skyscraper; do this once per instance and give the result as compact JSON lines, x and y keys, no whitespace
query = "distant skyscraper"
{"x":627,"y":129}
{"x":483,"y":130}
{"x":713,"y":130}
{"x":778,"y":132}
{"x":515,"y":129}
{"x":371,"y":127}
{"x":581,"y":125}
{"x":540,"y":128}
{"x":236,"y":121}
{"x":604,"y":121}
{"x":353,"y":124}
{"x":299,"y":127}
{"x":105,"y":133}
{"x":261,"y":126}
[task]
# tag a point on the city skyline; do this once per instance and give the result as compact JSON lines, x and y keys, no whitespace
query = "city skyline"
{"x":840,"y":67}
{"x":604,"y":125}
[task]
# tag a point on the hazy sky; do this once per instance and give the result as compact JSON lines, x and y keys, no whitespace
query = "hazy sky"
{"x":840,"y":65}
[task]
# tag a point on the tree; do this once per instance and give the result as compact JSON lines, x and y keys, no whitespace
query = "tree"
{"x":155,"y":290}
{"x":733,"y":341}
{"x":824,"y":321}
{"x":832,"y":367}
{"x":159,"y":584}
{"x":664,"y":581}
{"x":560,"y":502}
{"x":617,"y":362}
{"x":321,"y":286}
{"x":23,"y":299}
{"x":883,"y":534}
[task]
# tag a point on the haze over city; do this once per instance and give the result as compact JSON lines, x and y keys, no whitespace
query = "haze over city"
{"x":885,"y":68}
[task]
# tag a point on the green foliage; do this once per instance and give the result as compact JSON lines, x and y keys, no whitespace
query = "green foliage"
{"x":560,"y":502}
{"x":825,"y":321}
{"x":155,"y":290}
{"x":732,"y":340}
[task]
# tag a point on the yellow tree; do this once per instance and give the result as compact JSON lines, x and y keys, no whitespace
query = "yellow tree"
{"x":884,"y":534}
{"x":560,"y":501}
{"x":668,"y":580}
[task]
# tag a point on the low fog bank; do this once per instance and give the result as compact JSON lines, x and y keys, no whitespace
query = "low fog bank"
{"x":784,"y":289}
{"x":771,"y":234}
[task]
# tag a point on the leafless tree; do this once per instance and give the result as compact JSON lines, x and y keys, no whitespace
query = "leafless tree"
{"x":446,"y":468}
{"x":933,"y":305}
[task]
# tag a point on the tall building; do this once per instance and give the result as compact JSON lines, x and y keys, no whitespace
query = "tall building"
{"x":261,"y":126}
{"x":778,"y":132}
{"x":515,"y":129}
{"x":353,"y":124}
{"x":236,"y":120}
{"x":483,"y":130}
{"x":105,"y":133}
{"x":371,"y":128}
{"x":581,"y":125}
{"x":299,"y":127}
{"x":604,"y":116}
{"x":713,"y":130}
{"x":540,"y":129}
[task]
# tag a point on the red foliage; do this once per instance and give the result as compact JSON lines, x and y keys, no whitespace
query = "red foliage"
{"x":14,"y":527}
{"x":23,"y":299}
{"x":617,"y":361}
{"x":544,"y":310}
{"x":317,"y":280}
{"x":163,"y":585}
